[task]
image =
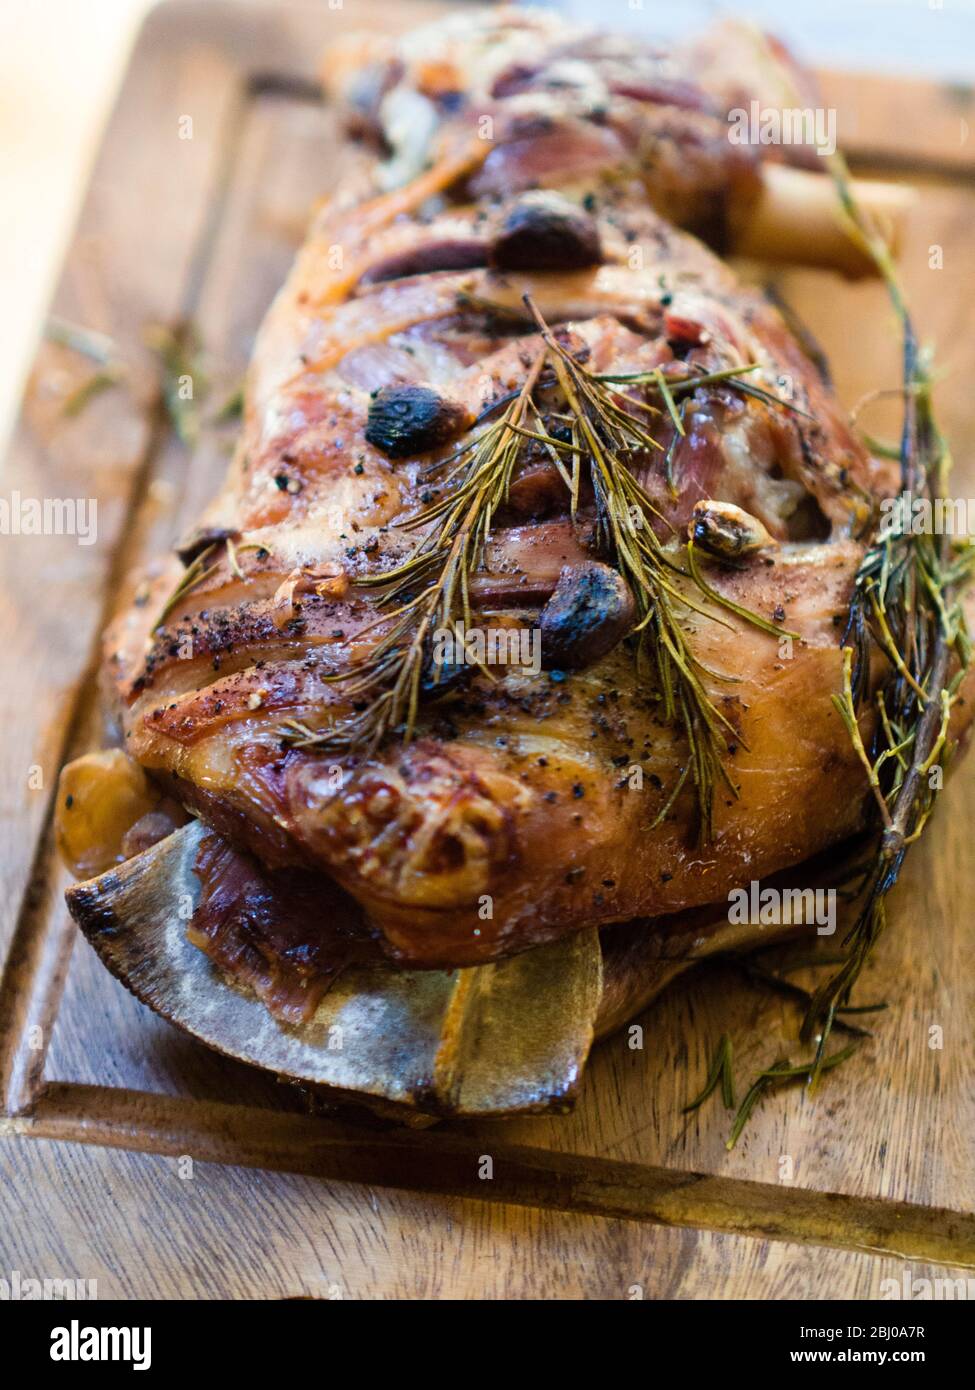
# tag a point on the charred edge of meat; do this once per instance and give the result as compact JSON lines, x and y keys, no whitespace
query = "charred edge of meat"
{"x":590,"y":611}
{"x":461,"y":254}
{"x":201,"y":539}
{"x":410,"y":419}
{"x":545,"y":231}
{"x":91,"y":907}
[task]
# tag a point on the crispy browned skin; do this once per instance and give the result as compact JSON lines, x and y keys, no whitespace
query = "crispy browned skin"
{"x":536,"y":793}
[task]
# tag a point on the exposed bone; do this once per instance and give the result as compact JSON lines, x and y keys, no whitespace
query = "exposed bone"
{"x":498,"y":1039}
{"x":796,"y":218}
{"x":502,"y":1039}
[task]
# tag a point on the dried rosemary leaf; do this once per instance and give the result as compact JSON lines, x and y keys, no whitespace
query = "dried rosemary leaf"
{"x":183,"y":381}
{"x":100,"y":381}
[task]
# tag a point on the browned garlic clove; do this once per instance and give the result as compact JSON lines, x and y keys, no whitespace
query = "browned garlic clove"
{"x":190,"y":547}
{"x":545,"y":231}
{"x":101,"y":796}
{"x":408,"y":419}
{"x":727,"y":531}
{"x":590,"y":611}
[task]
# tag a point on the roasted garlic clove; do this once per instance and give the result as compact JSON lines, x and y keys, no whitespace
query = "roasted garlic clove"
{"x":409,"y":419}
{"x":545,"y":231}
{"x":192,"y":546}
{"x":101,"y":796}
{"x":590,"y":611}
{"x":727,"y":531}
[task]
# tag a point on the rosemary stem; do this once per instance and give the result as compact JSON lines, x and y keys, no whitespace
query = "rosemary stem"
{"x":896,"y":833}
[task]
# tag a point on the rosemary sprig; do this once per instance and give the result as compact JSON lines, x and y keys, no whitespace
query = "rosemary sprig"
{"x":197,"y":571}
{"x":98,"y":348}
{"x":102,"y":380}
{"x":761,"y":975}
{"x":720,"y":1073}
{"x":906,"y":603}
{"x":431,"y":587}
{"x":191,"y":576}
{"x":609,"y":434}
{"x":232,"y":410}
{"x":184,"y":384}
{"x":676,"y":386}
{"x":780,"y":1072}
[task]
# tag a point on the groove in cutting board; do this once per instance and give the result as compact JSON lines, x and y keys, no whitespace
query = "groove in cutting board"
{"x":451,"y":1165}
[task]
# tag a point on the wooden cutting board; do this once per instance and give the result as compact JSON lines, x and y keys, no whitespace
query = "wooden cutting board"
{"x":132,"y":1156}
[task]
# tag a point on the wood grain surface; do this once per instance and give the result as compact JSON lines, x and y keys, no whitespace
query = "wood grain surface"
{"x":132,"y":1156}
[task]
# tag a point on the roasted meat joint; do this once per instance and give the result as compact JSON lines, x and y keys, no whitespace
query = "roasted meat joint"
{"x":544,"y":608}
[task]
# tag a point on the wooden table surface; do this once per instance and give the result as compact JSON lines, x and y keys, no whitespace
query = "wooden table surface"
{"x":129,"y":1154}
